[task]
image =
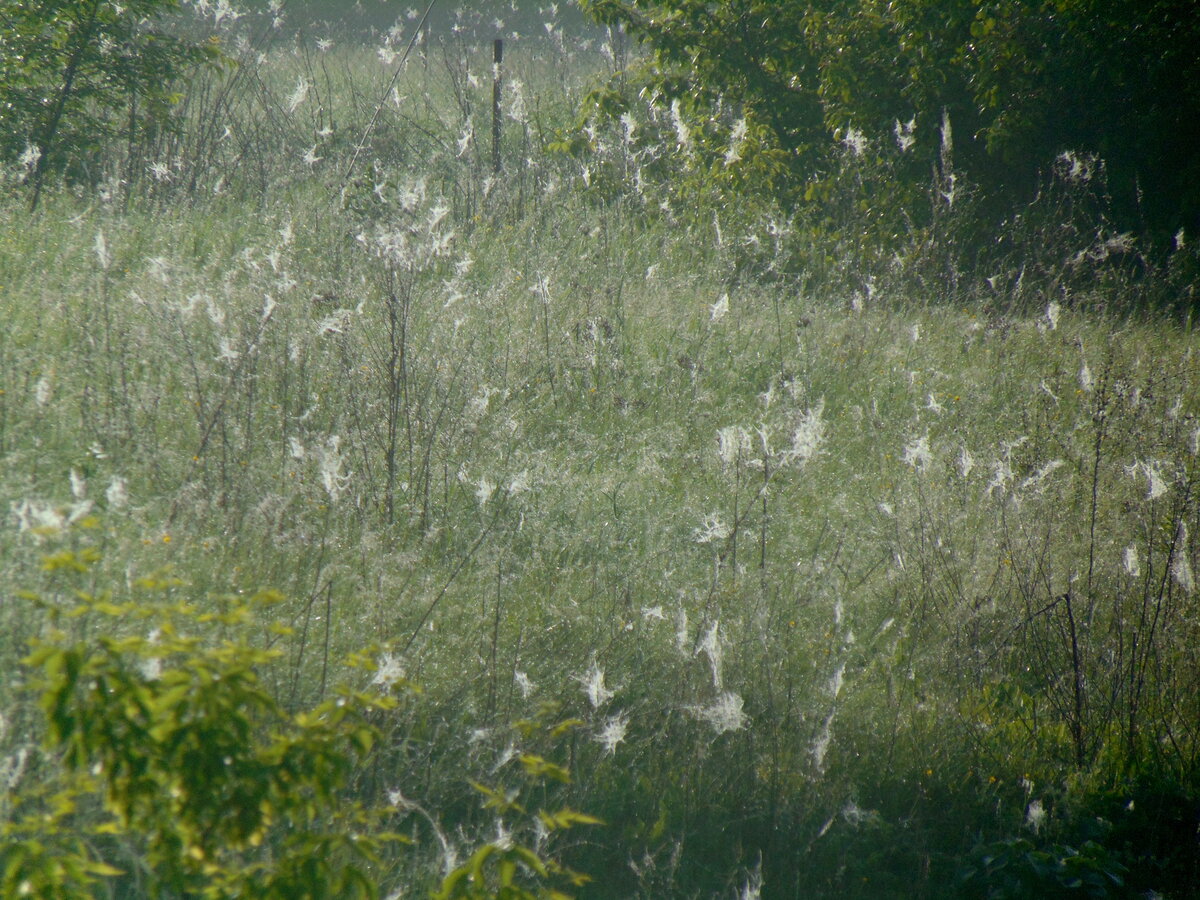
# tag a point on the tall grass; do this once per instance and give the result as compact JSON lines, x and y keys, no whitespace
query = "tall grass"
{"x":849,"y":561}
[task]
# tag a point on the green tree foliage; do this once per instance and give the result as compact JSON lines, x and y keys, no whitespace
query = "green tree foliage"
{"x":77,"y":73}
{"x":1022,"y":81}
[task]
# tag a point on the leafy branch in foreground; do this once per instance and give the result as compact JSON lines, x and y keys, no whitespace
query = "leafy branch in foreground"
{"x":171,"y":744}
{"x":506,"y":868}
{"x":176,"y":772}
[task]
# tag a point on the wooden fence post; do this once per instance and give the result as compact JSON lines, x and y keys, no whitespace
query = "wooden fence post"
{"x":497,"y":59}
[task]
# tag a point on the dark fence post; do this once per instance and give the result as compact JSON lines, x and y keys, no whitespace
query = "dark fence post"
{"x":497,"y":59}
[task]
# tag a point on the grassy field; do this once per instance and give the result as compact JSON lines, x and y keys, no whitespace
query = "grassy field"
{"x":862,"y":574}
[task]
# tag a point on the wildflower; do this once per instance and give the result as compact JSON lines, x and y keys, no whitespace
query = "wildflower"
{"x":719,"y":309}
{"x":904,"y":134}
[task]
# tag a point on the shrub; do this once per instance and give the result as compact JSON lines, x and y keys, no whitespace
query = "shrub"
{"x":77,"y":73}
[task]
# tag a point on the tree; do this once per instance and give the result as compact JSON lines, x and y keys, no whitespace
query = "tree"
{"x":76,"y":73}
{"x":1022,"y":81}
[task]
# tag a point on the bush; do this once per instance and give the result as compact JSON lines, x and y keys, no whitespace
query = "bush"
{"x":177,"y":771}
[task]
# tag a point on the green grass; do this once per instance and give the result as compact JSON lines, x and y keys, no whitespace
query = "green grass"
{"x":496,"y":455}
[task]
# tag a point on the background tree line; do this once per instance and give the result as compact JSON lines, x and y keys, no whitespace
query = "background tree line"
{"x":1022,"y":81}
